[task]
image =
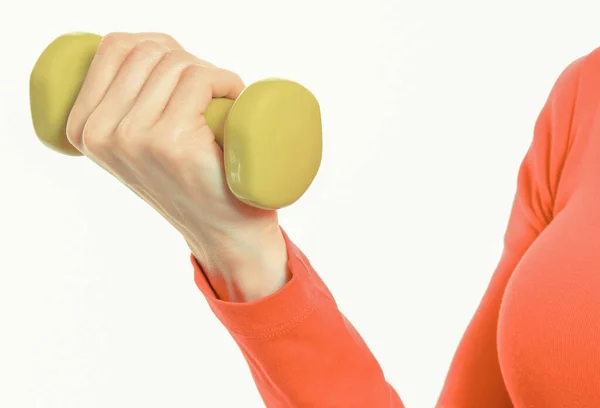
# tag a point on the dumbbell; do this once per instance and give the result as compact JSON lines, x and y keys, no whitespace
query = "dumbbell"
{"x":271,"y":135}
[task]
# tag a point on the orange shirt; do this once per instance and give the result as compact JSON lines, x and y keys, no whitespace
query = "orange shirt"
{"x":534,"y":340}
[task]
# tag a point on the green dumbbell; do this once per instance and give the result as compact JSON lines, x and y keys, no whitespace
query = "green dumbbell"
{"x":270,"y":135}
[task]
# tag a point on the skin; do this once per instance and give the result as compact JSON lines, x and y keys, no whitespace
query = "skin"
{"x":139,"y":116}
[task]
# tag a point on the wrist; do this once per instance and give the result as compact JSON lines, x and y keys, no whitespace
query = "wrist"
{"x":252,"y":268}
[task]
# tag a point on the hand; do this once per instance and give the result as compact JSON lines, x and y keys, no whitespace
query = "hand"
{"x":139,"y":115}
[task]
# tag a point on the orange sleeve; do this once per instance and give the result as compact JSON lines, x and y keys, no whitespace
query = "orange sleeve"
{"x":303,"y":352}
{"x":300,"y":348}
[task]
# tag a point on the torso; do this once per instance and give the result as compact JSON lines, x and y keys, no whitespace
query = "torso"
{"x":549,"y":321}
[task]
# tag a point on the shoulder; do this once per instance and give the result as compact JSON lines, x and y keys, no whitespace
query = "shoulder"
{"x":567,"y":85}
{"x":568,"y":90}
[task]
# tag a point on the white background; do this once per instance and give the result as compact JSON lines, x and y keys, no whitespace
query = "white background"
{"x":428,"y":108}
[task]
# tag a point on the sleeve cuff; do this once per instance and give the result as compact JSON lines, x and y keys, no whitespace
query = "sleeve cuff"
{"x":270,"y":315}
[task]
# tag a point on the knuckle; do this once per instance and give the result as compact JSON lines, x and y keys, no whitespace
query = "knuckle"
{"x":169,"y":41}
{"x":95,"y":144}
{"x":127,"y":137}
{"x":124,"y":131}
{"x":149,"y":48}
{"x":93,"y":138}
{"x":178,"y":57}
{"x":195,"y":74}
{"x":174,"y":61}
{"x":114,"y":41}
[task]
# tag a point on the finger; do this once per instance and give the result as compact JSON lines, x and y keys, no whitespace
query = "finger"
{"x":109,"y":57}
{"x":157,"y":90}
{"x":124,"y":89}
{"x":197,"y":86}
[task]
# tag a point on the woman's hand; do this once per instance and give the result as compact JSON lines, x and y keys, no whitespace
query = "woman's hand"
{"x":139,"y":115}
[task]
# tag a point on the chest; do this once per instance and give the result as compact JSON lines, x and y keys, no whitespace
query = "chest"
{"x":549,"y":322}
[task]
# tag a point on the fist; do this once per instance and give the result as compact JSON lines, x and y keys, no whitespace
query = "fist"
{"x":139,"y":115}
